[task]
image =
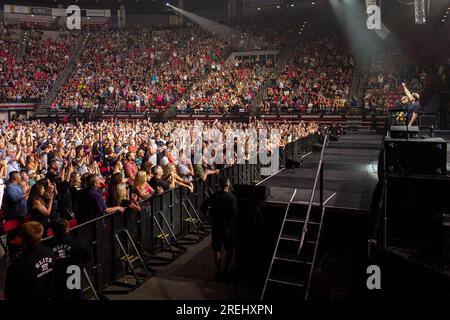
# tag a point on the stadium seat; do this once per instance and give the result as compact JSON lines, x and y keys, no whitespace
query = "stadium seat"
{"x":11,"y":228}
{"x":72,"y":223}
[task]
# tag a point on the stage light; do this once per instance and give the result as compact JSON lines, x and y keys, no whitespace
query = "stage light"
{"x":278,"y":7}
{"x":313,"y":3}
{"x":259,"y":9}
{"x":292,"y":5}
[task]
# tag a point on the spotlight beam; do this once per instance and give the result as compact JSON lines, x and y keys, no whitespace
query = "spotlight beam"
{"x":223,"y":31}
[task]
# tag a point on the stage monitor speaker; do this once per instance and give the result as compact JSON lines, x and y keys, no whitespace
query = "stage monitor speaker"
{"x":254,"y":193}
{"x":403,"y":132}
{"x":416,"y":156}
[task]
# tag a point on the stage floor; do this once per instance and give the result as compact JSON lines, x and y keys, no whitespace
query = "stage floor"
{"x":350,"y":174}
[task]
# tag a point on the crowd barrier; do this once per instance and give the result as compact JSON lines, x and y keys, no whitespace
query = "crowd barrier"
{"x":116,"y":240}
{"x":294,"y":150}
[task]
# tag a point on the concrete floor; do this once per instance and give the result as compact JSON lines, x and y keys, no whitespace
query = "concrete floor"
{"x":190,"y":277}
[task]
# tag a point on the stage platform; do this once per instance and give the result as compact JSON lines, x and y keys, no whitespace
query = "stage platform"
{"x":350,"y":175}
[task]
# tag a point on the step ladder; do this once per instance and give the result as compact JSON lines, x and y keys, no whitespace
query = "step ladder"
{"x":134,"y":261}
{"x":291,"y":268}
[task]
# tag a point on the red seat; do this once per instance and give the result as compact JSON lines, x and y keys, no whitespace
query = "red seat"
{"x":49,"y":232}
{"x":11,"y":225}
{"x":72,"y":223}
{"x":17,"y":242}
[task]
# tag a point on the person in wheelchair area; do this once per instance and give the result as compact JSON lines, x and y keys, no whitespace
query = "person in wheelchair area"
{"x":411,"y":103}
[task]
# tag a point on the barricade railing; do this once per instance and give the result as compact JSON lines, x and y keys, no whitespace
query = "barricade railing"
{"x":296,"y":149}
{"x":162,"y":219}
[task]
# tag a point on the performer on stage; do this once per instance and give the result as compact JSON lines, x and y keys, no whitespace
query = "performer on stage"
{"x":412,"y":102}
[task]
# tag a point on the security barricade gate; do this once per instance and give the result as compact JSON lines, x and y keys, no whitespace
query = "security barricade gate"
{"x":297,"y":149}
{"x":164,"y":247}
{"x":193,"y":223}
{"x":128,"y":258}
{"x":199,"y":194}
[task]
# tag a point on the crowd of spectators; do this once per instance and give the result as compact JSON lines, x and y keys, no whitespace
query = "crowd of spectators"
{"x":227,"y":88}
{"x":116,"y":163}
{"x":384,"y":81}
{"x":387,"y":73}
{"x":262,"y":31}
{"x":138,"y":70}
{"x":31,"y":78}
{"x":316,"y":81}
{"x":145,"y":69}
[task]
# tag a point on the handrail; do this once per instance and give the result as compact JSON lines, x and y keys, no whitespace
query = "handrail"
{"x":319,"y":172}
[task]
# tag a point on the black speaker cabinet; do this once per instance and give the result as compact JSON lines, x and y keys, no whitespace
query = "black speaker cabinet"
{"x":416,"y":156}
{"x":254,"y":193}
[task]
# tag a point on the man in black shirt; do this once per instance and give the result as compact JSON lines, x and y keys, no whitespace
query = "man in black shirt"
{"x":223,"y":211}
{"x":31,"y":276}
{"x":413,"y":104}
{"x":68,"y":251}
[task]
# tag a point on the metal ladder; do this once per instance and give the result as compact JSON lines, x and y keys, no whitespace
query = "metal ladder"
{"x":290,"y":273}
{"x":293,"y":261}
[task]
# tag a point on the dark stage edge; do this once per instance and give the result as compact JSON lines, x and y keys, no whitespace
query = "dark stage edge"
{"x":350,"y":175}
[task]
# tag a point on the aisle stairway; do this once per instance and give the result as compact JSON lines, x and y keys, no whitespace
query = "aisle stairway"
{"x":43,"y":109}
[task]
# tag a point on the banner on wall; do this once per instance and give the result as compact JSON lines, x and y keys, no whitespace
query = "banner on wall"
{"x":95,"y":13}
{"x":41,"y":11}
{"x":20,"y":9}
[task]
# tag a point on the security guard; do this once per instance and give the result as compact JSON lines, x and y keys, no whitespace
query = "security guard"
{"x":68,"y":251}
{"x":31,"y":276}
{"x":223,"y":211}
